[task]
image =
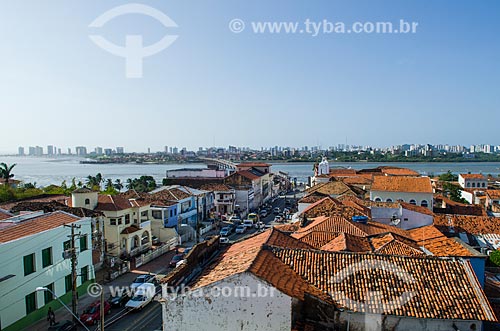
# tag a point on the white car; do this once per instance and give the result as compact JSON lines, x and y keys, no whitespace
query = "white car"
{"x":259,"y":225}
{"x":143,"y":295}
{"x":224,"y":240}
{"x":248,"y":223}
{"x":142,"y":279}
{"x":240,"y":229}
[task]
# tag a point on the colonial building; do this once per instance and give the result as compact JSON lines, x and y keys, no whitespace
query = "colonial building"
{"x":414,"y":190}
{"x":32,"y":247}
{"x":472,"y":181}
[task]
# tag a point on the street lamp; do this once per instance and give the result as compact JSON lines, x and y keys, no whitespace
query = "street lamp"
{"x":42,"y":289}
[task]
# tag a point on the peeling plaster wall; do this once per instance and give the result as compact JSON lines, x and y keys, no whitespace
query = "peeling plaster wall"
{"x":238,"y":311}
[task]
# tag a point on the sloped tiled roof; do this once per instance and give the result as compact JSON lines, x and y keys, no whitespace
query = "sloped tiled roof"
{"x":215,"y":187}
{"x":107,"y":202}
{"x":240,"y":256}
{"x":330,"y":207}
{"x":312,"y":198}
{"x":36,"y":225}
{"x":472,"y":176}
{"x":437,"y":243}
{"x":434,"y":287}
{"x":331,"y":188}
{"x":493,"y":194}
{"x":402,"y":184}
{"x":465,"y":223}
{"x":4,"y":214}
{"x":348,"y":243}
{"x":52,"y":206}
{"x":418,"y":209}
{"x":393,"y":171}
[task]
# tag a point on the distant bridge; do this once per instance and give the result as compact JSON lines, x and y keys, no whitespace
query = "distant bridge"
{"x":222,"y":164}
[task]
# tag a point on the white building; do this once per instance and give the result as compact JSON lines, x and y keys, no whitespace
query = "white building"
{"x":473,"y":181}
{"x":414,"y":190}
{"x":274,"y":282}
{"x":32,"y":247}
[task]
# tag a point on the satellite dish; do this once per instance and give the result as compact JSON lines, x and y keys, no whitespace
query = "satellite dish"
{"x":395,"y":220}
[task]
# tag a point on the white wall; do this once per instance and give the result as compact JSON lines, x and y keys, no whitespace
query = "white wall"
{"x":215,"y":313}
{"x":405,"y":196}
{"x":415,"y":219}
{"x":14,"y":290}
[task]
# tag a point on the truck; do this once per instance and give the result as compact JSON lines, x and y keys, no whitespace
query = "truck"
{"x":143,"y":295}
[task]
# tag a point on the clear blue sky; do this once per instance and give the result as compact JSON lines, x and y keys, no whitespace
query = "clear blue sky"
{"x":440,"y":85}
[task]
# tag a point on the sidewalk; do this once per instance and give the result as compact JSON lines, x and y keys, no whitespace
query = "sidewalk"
{"x":156,"y":266}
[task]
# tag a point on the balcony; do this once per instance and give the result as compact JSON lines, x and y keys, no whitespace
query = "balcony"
{"x":145,"y":224}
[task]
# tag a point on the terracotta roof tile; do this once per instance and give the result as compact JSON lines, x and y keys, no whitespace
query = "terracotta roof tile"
{"x":36,"y":225}
{"x":4,"y":214}
{"x":451,"y":293}
{"x":472,"y":176}
{"x":465,"y":223}
{"x":493,"y":194}
{"x":399,"y":171}
{"x":437,"y":243}
{"x":402,"y":184}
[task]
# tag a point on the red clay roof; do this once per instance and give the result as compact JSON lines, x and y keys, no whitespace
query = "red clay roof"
{"x":4,"y":214}
{"x":493,"y":194}
{"x":466,"y":223}
{"x":402,"y":184}
{"x":472,"y":176}
{"x":36,"y":225}
{"x":399,"y":172}
{"x":441,"y":288}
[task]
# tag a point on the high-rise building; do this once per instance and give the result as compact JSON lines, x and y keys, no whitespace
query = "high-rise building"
{"x":108,"y":151}
{"x":50,"y":150}
{"x":69,"y":151}
{"x":166,"y":149}
{"x":38,"y":151}
{"x":20,"y":151}
{"x":31,"y":150}
{"x":81,"y":150}
{"x":119,"y":150}
{"x":98,"y":150}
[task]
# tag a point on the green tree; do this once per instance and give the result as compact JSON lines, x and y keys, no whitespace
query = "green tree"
{"x":448,"y":177}
{"x":452,"y":191}
{"x":495,"y":257}
{"x":118,"y":184}
{"x":6,"y":172}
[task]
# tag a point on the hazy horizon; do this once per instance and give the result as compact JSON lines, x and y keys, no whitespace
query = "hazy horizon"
{"x":214,"y":87}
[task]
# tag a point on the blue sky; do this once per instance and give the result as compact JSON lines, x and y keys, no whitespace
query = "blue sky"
{"x":440,"y":85}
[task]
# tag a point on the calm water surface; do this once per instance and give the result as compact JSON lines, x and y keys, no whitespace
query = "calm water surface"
{"x":46,"y":171}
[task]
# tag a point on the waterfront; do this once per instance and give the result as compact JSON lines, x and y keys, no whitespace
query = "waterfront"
{"x":46,"y":171}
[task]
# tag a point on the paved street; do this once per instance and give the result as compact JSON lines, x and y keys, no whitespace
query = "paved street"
{"x":149,"y":318}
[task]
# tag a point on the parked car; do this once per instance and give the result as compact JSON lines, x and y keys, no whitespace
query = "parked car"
{"x":234,"y":219}
{"x":278,"y":218}
{"x":187,"y":250}
{"x":92,"y":314}
{"x":248,"y":223}
{"x":259,"y":225}
{"x":263,"y":213}
{"x":155,"y":240}
{"x":141,"y":280}
{"x":276,"y":210}
{"x":241,"y":229}
{"x":120,"y":299}
{"x":225,"y":231}
{"x":144,"y":294}
{"x":224,"y":240}
{"x":63,"y":326}
{"x":175,"y":259}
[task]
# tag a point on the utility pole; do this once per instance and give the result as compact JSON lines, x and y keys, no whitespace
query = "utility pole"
{"x":101,"y":313}
{"x":74,"y":262}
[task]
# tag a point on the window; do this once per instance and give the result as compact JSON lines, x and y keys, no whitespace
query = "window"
{"x":46,"y":257}
{"x":29,"y":264}
{"x":378,"y":200}
{"x":30,"y":301}
{"x":468,"y":184}
{"x":171,"y":213}
{"x":413,"y":202}
{"x":85,"y":274}
{"x":68,"y":283}
{"x":119,"y":221}
{"x":156,"y":214}
{"x":66,"y":245}
{"x":87,"y":201}
{"x":112,"y":221}
{"x":83,"y":243}
{"x":484,"y":185}
{"x":127,"y":219}
{"x":388,"y":200}
{"x":473,"y":184}
{"x":47,"y":295}
{"x":424,"y":203}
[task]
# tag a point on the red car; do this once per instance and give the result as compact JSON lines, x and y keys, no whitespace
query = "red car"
{"x":92,"y":314}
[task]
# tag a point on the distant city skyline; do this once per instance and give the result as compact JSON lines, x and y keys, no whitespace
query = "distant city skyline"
{"x":216,"y":87}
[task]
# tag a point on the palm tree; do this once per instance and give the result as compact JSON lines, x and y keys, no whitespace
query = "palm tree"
{"x":118,"y":185}
{"x":109,"y":184}
{"x":130,"y":183}
{"x":6,"y":172}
